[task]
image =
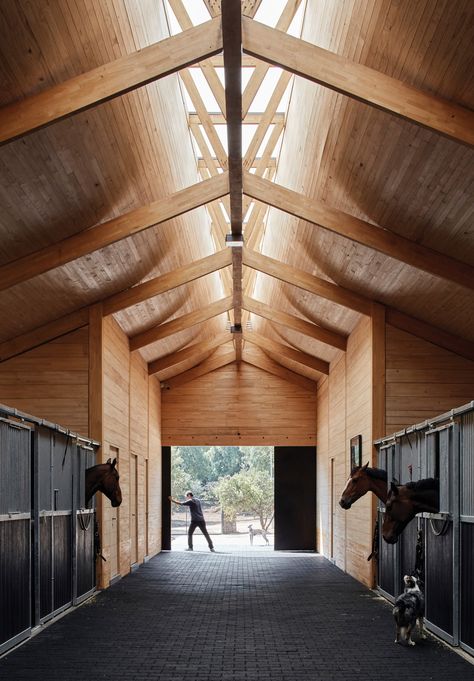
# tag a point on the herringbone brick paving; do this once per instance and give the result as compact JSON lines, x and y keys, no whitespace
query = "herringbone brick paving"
{"x":231,"y":617}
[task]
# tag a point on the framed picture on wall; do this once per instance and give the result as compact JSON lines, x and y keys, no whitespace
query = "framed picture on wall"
{"x":356,"y":451}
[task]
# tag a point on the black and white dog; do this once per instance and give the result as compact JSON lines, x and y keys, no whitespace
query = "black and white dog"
{"x":409,"y":608}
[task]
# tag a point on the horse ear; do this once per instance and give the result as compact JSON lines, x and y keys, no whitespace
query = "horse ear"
{"x":366,"y":466}
{"x":113,"y":463}
{"x":393,"y":488}
{"x":108,"y":460}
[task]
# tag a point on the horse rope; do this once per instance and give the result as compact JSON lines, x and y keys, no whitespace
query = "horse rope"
{"x":444,"y":527}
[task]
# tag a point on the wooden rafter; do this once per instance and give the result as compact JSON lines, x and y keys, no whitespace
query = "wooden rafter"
{"x":191,"y":352}
{"x":232,"y":46}
{"x":261,"y":68}
{"x":110,"y":80}
{"x":112,"y":231}
{"x":186,"y":321}
{"x":430,"y":333}
{"x":257,"y":358}
{"x":215,"y":361}
{"x":44,"y":334}
{"x":357,"y":230}
{"x":250,"y":119}
{"x":319,"y":333}
{"x":306,"y":281}
{"x":166,"y":282}
{"x":286,"y":352}
{"x":354,"y":301}
{"x":206,"y":66}
{"x":357,"y":81}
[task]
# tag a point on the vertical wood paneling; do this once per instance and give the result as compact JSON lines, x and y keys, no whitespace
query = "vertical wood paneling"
{"x":323,"y":527}
{"x":239,"y":405}
{"x":51,"y":381}
{"x":423,"y":380}
{"x":359,"y":421}
{"x":154,"y":466}
{"x":116,"y":380}
{"x":345,"y":404}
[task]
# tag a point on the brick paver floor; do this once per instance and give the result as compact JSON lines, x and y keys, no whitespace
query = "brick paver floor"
{"x":231,"y":616}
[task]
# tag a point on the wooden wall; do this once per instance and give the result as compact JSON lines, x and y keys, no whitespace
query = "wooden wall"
{"x":131,"y":432}
{"x":238,"y":405}
{"x":345,"y":409}
{"x":51,"y":381}
{"x":105,"y":394}
{"x":423,"y":380}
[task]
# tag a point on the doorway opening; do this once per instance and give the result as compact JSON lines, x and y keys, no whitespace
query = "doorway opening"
{"x":235,"y":486}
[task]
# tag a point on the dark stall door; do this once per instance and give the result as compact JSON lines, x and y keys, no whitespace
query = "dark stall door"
{"x":295,"y":498}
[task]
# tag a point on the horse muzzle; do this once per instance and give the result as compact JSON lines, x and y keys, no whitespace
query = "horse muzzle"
{"x":390,"y":538}
{"x":345,"y":504}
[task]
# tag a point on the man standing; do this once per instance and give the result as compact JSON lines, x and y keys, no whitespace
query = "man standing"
{"x":197,"y":519}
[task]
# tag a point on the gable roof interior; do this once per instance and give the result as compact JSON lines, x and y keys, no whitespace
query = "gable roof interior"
{"x":140,"y":147}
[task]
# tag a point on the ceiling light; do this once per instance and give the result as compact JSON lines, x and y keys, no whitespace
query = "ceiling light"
{"x":234,"y":240}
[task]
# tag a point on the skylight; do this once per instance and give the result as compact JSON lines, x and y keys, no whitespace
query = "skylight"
{"x":266,"y":91}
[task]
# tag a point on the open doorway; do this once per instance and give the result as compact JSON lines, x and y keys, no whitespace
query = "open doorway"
{"x":236,"y":488}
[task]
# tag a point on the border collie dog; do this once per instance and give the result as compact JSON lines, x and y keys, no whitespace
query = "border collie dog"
{"x":409,"y":608}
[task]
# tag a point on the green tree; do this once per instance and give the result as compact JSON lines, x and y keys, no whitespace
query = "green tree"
{"x":180,"y":479}
{"x":248,"y":491}
{"x":195,"y":462}
{"x":258,"y":459}
{"x":224,"y":461}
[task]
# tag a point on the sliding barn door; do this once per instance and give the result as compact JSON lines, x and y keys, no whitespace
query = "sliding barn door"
{"x":295,"y":498}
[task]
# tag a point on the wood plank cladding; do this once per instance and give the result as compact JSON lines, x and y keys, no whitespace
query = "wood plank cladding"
{"x":51,"y":381}
{"x":111,"y":80}
{"x":238,"y":404}
{"x":345,"y":401}
{"x":357,"y":81}
{"x":422,"y":380}
{"x":131,"y":431}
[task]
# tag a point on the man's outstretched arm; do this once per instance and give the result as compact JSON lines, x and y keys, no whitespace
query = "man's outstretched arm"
{"x":175,"y":501}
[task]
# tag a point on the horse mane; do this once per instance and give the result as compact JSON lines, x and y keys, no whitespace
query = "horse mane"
{"x":378,"y":473}
{"x":420,"y":485}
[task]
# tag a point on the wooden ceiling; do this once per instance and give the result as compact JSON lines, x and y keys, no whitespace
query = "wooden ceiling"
{"x":369,"y":200}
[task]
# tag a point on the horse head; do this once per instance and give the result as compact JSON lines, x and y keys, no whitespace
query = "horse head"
{"x":399,"y":510}
{"x":357,"y":485}
{"x":104,"y":478}
{"x":404,"y":502}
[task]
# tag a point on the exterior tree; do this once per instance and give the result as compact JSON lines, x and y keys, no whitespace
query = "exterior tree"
{"x":248,"y":491}
{"x":224,"y":461}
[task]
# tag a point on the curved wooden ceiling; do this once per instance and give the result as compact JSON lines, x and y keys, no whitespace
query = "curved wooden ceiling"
{"x":104,"y":199}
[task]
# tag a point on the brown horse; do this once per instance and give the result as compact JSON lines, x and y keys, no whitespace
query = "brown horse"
{"x":362,"y":480}
{"x":103,"y":478}
{"x":404,"y":502}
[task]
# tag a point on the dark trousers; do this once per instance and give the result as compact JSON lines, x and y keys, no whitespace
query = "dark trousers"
{"x":202,"y":526}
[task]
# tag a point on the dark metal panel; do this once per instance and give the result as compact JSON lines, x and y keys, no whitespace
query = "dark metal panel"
{"x":43,"y":444}
{"x":45,"y":565}
{"x":439,"y":574}
{"x":467,"y":584}
{"x":165,"y":504}
{"x":14,"y":579}
{"x":467,"y":465}
{"x":15,"y":454}
{"x":387,"y":574}
{"x":15,"y":513}
{"x":295,"y":498}
{"x":407,"y":550}
{"x":63,"y":452}
{"x":62,"y":558}
{"x":85,"y":556}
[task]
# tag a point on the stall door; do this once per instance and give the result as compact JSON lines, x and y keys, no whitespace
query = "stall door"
{"x":15,"y":514}
{"x":295,"y":498}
